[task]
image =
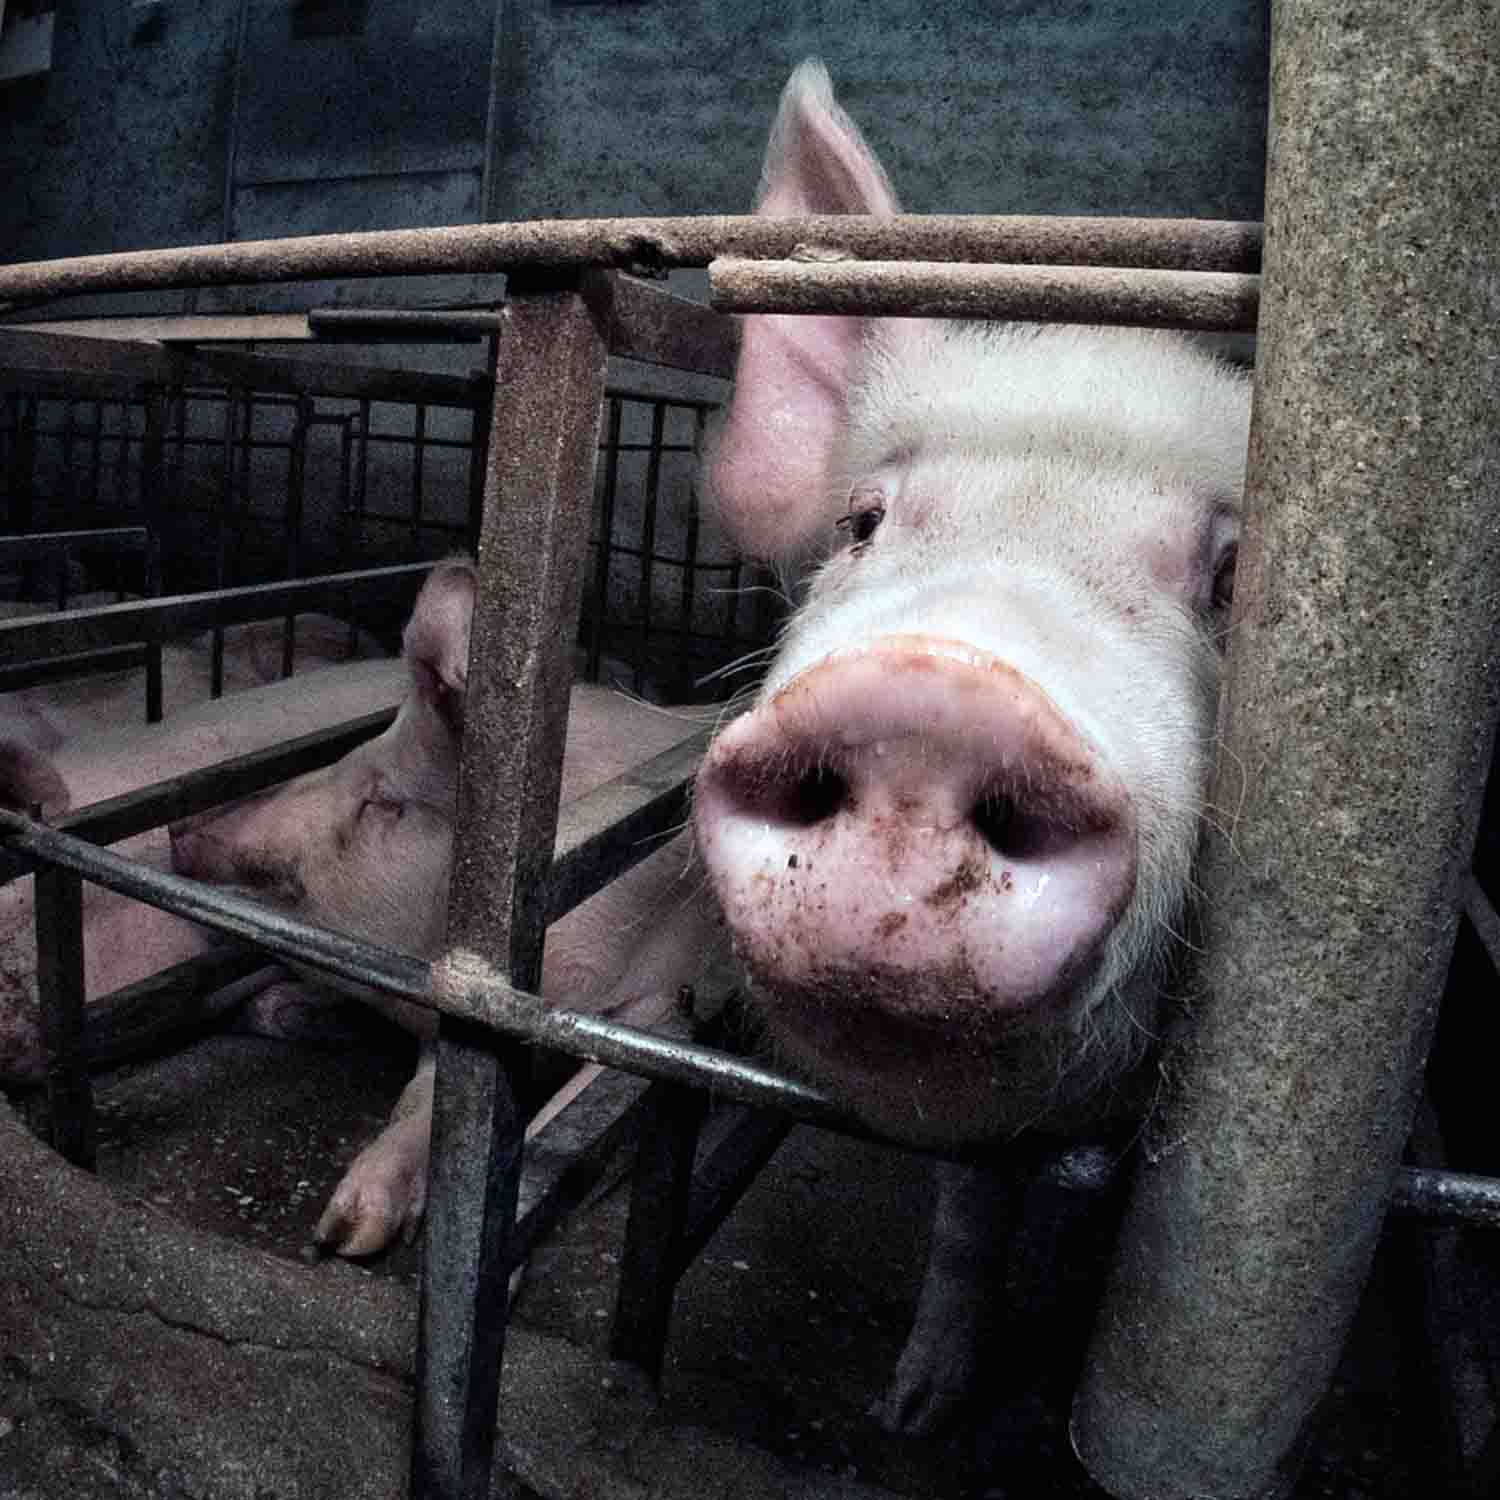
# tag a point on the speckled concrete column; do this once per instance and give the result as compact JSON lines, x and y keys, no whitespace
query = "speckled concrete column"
{"x":1356,"y":721}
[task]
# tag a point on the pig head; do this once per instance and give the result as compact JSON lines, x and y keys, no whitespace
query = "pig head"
{"x":953,"y":839}
{"x":365,"y":846}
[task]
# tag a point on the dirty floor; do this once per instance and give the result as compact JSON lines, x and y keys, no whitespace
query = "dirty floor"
{"x":784,"y":1332}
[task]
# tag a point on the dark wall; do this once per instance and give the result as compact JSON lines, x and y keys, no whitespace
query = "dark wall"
{"x":174,"y":123}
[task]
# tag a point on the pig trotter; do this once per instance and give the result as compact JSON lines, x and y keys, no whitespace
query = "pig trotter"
{"x":384,"y":1192}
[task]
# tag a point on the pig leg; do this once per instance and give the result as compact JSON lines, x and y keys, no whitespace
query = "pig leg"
{"x":971,"y":1229}
{"x":384,"y":1191}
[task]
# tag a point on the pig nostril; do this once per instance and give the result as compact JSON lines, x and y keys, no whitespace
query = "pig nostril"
{"x":817,"y":795}
{"x":995,"y":818}
{"x":1013,"y":831}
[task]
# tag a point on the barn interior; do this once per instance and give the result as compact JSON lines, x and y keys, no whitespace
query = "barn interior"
{"x":205,"y":455}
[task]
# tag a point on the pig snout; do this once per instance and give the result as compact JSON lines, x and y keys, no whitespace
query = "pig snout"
{"x":206,"y":846}
{"x":913,"y":832}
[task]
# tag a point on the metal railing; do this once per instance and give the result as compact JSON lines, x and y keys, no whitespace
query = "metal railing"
{"x":562,"y":319}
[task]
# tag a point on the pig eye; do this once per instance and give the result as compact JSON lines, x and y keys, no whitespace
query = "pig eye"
{"x":863,"y":518}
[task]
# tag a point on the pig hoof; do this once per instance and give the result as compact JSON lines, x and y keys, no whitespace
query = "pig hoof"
{"x":371,"y":1208}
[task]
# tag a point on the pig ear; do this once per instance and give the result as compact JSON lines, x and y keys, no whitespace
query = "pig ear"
{"x":436,"y":640}
{"x":772,"y":473}
{"x":29,"y":780}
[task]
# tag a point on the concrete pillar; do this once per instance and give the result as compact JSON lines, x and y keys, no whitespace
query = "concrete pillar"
{"x":1356,"y":724}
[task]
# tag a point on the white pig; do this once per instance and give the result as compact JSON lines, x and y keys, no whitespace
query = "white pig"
{"x":365,"y":847}
{"x":953,"y":839}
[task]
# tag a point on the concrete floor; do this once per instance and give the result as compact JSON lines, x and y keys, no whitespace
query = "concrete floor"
{"x":785,"y":1329}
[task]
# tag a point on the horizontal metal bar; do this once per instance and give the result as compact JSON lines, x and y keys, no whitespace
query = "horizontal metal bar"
{"x":1203,"y":300}
{"x":1444,"y":1197}
{"x":123,"y":817}
{"x":403,"y":324}
{"x":654,"y":244}
{"x":458,"y":986}
{"x":186,"y":328}
{"x":50,"y":543}
{"x":146,"y":619}
{"x":83,"y":664}
{"x":28,"y":356}
{"x":362,"y":963}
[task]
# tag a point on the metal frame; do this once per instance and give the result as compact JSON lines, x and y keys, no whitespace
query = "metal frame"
{"x":301,"y":397}
{"x":561,"y":320}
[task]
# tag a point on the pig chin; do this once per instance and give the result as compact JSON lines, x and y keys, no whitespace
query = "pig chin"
{"x":940,"y":1068}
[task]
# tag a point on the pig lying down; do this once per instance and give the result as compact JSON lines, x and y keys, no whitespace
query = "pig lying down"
{"x":125,"y":941}
{"x":953,"y":839}
{"x":365,"y":847}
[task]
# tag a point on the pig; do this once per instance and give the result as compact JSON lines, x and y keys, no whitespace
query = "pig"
{"x":365,"y":847}
{"x":952,"y":839}
{"x":125,"y":941}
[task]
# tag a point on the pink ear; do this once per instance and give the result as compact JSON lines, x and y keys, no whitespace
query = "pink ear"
{"x":772,"y":472}
{"x":28,"y":779}
{"x":436,"y":640}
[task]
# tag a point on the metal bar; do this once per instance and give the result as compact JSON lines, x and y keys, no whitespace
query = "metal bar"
{"x":1356,"y":726}
{"x":479,"y":449}
{"x":653,"y":1257}
{"x":549,"y":385}
{"x":429,"y":326}
{"x":603,"y":555}
{"x":471,"y":990}
{"x":121,"y":366}
{"x":418,"y":455}
{"x":60,"y":668}
{"x":646,"y":323}
{"x":296,"y":496}
{"x":122,"y":817}
{"x":690,"y":563}
{"x":49,"y":543}
{"x":653,"y":244}
{"x":727,"y":1170}
{"x":644,"y":594}
{"x":1483,"y":919}
{"x":153,"y":476}
{"x":121,"y":624}
{"x":1205,"y":300}
{"x":59,"y":981}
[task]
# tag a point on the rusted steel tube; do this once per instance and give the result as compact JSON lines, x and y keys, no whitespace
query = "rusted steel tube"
{"x":649,"y":244}
{"x":1214,"y":301}
{"x":539,"y":473}
{"x":1356,"y":727}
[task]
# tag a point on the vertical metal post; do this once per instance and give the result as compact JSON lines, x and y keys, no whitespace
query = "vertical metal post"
{"x":654,"y":1233}
{"x":418,"y":465}
{"x":296,"y":500}
{"x":645,"y":605}
{"x":153,"y":479}
{"x":549,"y":381}
{"x":59,"y":973}
{"x":604,"y":550}
{"x":479,"y":446}
{"x":1356,"y":725}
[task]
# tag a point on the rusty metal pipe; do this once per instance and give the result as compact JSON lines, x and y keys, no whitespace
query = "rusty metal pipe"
{"x":1211,"y":301}
{"x":646,"y":244}
{"x":1356,"y":726}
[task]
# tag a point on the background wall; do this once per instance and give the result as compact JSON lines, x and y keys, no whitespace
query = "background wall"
{"x":165,"y":122}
